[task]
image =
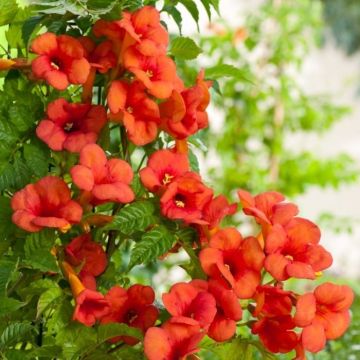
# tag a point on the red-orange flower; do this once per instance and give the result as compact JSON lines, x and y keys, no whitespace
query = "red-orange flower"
{"x":276,"y":333}
{"x":90,"y":307}
{"x":140,"y":115}
{"x":100,"y":56}
{"x":157,"y":73}
{"x":185,"y":198}
{"x":163,"y":167}
{"x":184,"y":113}
{"x":235,"y":259}
{"x":83,"y":251}
{"x":145,"y":31}
{"x":267,"y":208}
{"x":133,"y":307}
{"x":61,"y":60}
{"x":71,"y":126}
{"x":324,"y":314}
{"x":106,"y":180}
{"x":275,"y":326}
{"x":173,"y":341}
{"x":189,"y":304}
{"x":217,"y":209}
{"x":294,"y":250}
{"x":47,"y":203}
{"x":228,"y":311}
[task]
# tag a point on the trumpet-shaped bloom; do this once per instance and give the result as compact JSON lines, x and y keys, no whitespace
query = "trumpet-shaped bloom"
{"x":71,"y":126}
{"x":106,"y":180}
{"x":90,"y":307}
{"x":157,"y":73}
{"x":133,"y":307}
{"x":184,"y":113}
{"x":294,"y":250}
{"x":173,"y":341}
{"x":276,"y":333}
{"x":228,"y":311}
{"x":83,"y":251}
{"x":145,"y":32}
{"x":140,"y":115}
{"x":217,"y":209}
{"x":100,"y":56}
{"x":235,"y":259}
{"x":275,"y":325}
{"x":47,"y":203}
{"x":163,"y":167}
{"x":189,"y":304}
{"x":323,"y":314}
{"x":185,"y":198}
{"x":61,"y":60}
{"x":267,"y":208}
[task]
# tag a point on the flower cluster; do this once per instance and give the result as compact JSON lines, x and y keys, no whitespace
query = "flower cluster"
{"x":145,"y":96}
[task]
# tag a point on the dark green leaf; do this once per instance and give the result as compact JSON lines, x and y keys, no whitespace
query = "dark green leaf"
{"x":6,"y":270}
{"x":184,"y":48}
{"x":194,"y":162}
{"x":135,"y":217}
{"x":15,"y":176}
{"x":192,"y":8}
{"x":153,"y":244}
{"x":29,"y":26}
{"x":175,"y":14}
{"x":9,"y":305}
{"x":6,"y":225}
{"x":15,"y":333}
{"x":37,"y":251}
{"x":37,"y":157}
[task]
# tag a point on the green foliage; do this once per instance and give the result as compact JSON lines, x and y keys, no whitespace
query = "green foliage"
{"x":37,"y":251}
{"x":15,"y":333}
{"x":238,"y":348}
{"x":184,"y":48}
{"x":153,"y":244}
{"x":8,"y":9}
{"x":134,"y":217}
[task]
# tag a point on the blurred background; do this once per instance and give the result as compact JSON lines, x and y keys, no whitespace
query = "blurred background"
{"x":294,"y":126}
{"x":293,"y":123}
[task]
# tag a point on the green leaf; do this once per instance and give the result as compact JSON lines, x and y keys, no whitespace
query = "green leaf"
{"x":15,"y":176}
{"x":9,"y":305}
{"x":37,"y":157}
{"x":108,"y":331}
{"x":153,"y":244}
{"x":226,"y":70}
{"x":29,"y":26}
{"x":7,"y":268}
{"x":6,"y":225}
{"x":186,"y":235}
{"x":8,"y":10}
{"x":15,"y":333}
{"x":192,"y":8}
{"x":47,"y":351}
{"x":47,"y":298}
{"x":37,"y":251}
{"x":134,"y":217}
{"x":194,"y":162}
{"x":184,"y":48}
{"x":175,"y":14}
{"x":237,"y":349}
